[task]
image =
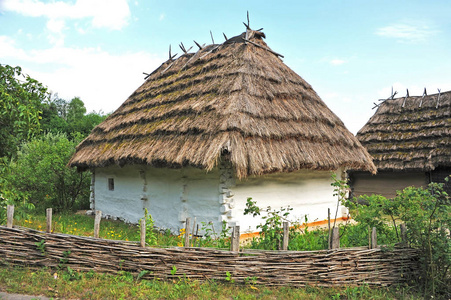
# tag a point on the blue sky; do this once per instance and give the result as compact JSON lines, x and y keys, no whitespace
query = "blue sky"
{"x":351,"y":52}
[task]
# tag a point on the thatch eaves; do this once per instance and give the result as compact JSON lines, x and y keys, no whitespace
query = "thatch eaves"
{"x":238,"y":99}
{"x":413,"y":137}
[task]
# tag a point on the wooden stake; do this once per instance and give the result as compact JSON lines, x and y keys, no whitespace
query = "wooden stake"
{"x":373,"y":238}
{"x":328,"y":224}
{"x":9,"y":216}
{"x":404,"y":234}
{"x":187,"y":223}
{"x":335,"y":238}
{"x":193,"y":231}
{"x":97,"y":223}
{"x":286,"y":232}
{"x":142,"y":224}
{"x":237,"y":238}
{"x":48,"y":212}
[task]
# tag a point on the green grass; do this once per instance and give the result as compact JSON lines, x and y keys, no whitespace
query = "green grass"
{"x":83,"y":225}
{"x":74,"y":285}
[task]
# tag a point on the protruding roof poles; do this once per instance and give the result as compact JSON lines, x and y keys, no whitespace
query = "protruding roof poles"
{"x":438,"y":98}
{"x":405,"y":98}
{"x":383,"y":100}
{"x":424,"y":94}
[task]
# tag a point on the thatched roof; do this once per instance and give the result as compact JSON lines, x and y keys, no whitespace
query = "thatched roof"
{"x":236,"y":99}
{"x":410,"y":134}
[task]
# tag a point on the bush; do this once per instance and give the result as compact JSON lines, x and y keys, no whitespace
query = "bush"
{"x":40,"y":175}
{"x":427,"y":215}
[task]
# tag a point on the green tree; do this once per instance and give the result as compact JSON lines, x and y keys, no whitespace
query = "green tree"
{"x":75,"y":110}
{"x":20,"y":108}
{"x":40,"y":172}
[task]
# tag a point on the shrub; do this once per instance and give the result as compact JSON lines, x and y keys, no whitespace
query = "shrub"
{"x":39,"y":174}
{"x":427,"y":215}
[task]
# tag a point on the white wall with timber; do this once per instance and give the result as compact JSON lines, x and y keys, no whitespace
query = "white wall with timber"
{"x":172,"y":195}
{"x":309,"y":193}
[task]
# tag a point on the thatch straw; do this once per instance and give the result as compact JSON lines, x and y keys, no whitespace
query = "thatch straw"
{"x":234,"y":97}
{"x":410,"y":138}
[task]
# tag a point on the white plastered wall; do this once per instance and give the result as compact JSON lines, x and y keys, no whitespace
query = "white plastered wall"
{"x":307,"y":192}
{"x":170,"y":195}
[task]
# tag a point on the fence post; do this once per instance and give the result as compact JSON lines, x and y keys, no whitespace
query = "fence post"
{"x":235,"y":240}
{"x":286,"y":231}
{"x":193,"y":233}
{"x":142,"y":226}
{"x":403,"y":234}
{"x":373,"y":238}
{"x":97,"y":223}
{"x":329,"y":233}
{"x":48,"y":212}
{"x":335,"y":243}
{"x":9,"y":216}
{"x":187,"y":225}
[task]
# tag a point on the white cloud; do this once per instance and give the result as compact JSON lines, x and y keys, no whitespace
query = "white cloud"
{"x":55,"y":25}
{"x":56,"y":36}
{"x":112,"y":14}
{"x":337,"y":62}
{"x":162,"y":16}
{"x":406,"y":32}
{"x":102,"y":80}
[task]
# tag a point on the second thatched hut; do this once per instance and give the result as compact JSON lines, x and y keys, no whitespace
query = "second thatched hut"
{"x":409,"y":139}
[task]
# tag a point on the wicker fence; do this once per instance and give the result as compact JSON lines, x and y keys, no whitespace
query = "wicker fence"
{"x":350,"y":266}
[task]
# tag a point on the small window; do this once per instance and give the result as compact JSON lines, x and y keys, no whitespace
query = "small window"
{"x":111,"y":184}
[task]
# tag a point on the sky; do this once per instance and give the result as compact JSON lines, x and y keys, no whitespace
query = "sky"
{"x":351,"y":52}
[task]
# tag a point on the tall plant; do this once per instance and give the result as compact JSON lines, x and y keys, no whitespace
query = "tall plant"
{"x":427,"y":215}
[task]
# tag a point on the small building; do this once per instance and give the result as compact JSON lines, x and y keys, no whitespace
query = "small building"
{"x":209,"y":129}
{"x":409,"y":139}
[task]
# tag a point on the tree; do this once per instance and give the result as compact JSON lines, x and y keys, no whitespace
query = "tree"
{"x":69,"y":117}
{"x":20,"y":108}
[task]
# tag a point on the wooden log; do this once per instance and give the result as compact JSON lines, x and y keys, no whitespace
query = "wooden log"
{"x":187,"y":229}
{"x":286,"y":232}
{"x":142,"y":224}
{"x":97,"y":219}
{"x":335,"y":243}
{"x":373,"y":238}
{"x":48,"y":212}
{"x":9,"y":216}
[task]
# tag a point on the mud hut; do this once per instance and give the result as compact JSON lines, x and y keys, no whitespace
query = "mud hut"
{"x":409,"y":139}
{"x":209,"y":129}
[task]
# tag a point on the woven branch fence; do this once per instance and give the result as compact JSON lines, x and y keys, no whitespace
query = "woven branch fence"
{"x":349,"y":266}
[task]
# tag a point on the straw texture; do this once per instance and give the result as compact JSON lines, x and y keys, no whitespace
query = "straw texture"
{"x":410,"y":138}
{"x":235,"y":98}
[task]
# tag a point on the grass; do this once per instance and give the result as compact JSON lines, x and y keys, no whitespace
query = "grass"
{"x":83,"y":225}
{"x":75,"y":285}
